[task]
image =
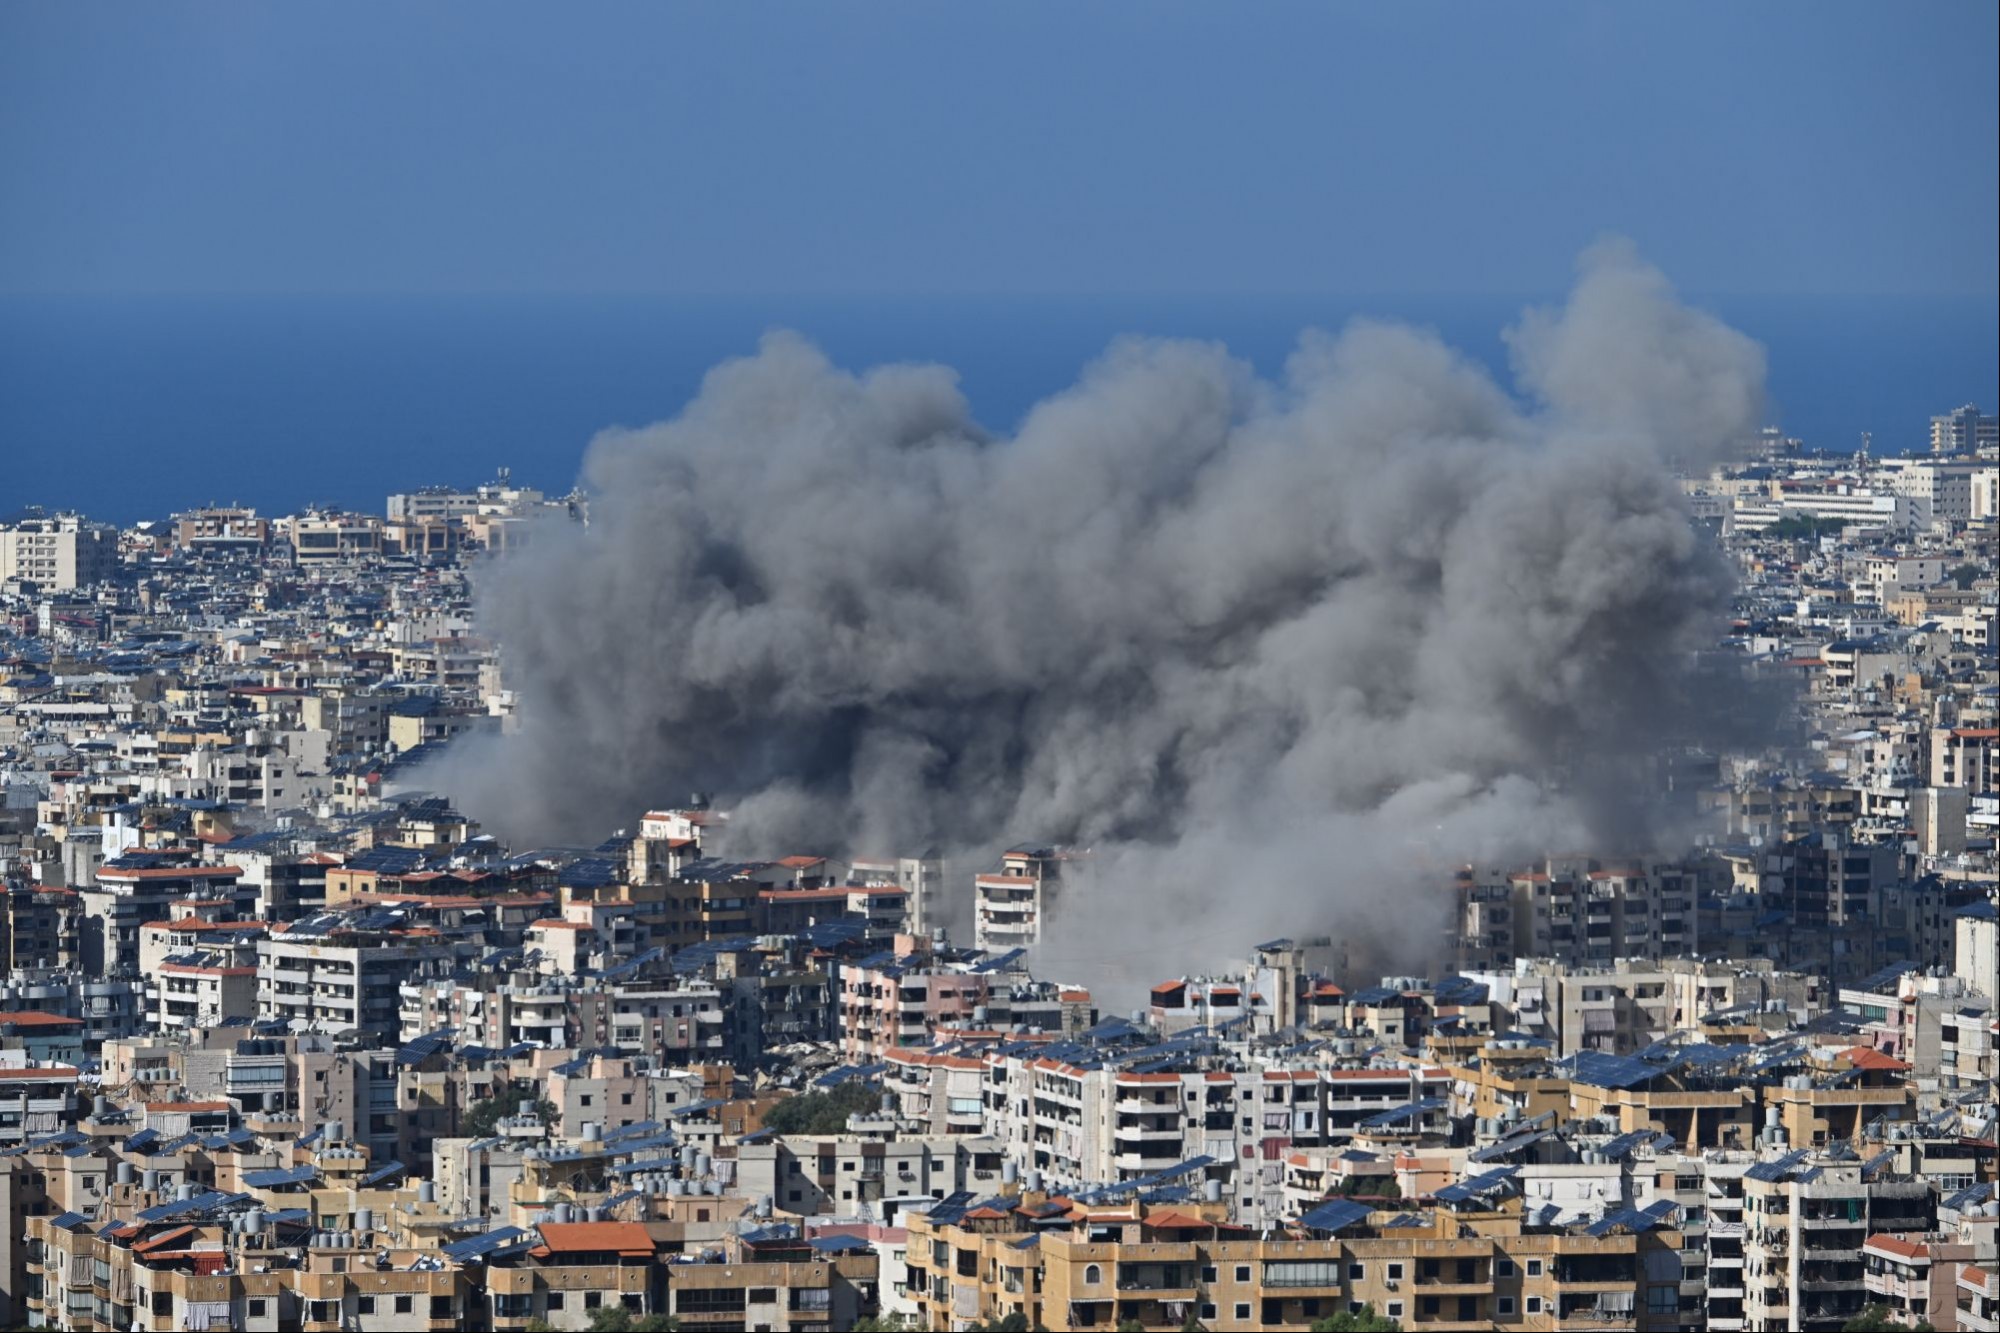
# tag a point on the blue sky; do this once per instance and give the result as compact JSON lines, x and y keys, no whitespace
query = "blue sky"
{"x":1015,"y":148}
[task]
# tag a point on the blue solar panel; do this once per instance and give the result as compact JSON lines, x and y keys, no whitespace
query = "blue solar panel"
{"x":382,"y":1175}
{"x":488,"y":1244}
{"x":838,"y":1244}
{"x":1335,"y":1215}
{"x":296,"y":1175}
{"x":1412,"y":1112}
{"x":952,"y":1207}
{"x":1612,"y":1071}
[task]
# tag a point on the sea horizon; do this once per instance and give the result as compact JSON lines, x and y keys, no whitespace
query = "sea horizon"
{"x":131,"y":407}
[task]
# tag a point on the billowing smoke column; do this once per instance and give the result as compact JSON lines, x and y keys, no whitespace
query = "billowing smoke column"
{"x":1278,"y":653}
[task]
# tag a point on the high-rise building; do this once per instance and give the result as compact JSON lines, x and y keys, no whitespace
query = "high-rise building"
{"x":1964,"y":431}
{"x":57,"y":554}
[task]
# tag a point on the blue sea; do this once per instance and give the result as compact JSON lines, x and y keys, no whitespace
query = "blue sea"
{"x":132,"y":408}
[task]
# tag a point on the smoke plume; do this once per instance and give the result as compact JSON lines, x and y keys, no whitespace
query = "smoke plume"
{"x":1276,"y":652}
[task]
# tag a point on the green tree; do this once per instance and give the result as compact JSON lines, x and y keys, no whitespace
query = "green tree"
{"x":888,"y":1323}
{"x":618,"y":1319}
{"x":1132,"y":1326}
{"x":1965,"y":575}
{"x":1794,"y":526}
{"x":486,"y":1114}
{"x":1013,"y":1323}
{"x":1365,"y":1322}
{"x":822,"y":1112}
{"x":1875,"y":1317}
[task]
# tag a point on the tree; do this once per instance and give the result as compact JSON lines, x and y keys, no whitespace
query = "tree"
{"x":1365,"y":1322}
{"x":1875,"y":1317}
{"x":1132,"y":1326}
{"x":485,"y":1116}
{"x":1794,"y":526}
{"x":1965,"y":575}
{"x":1013,"y":1323}
{"x":618,"y":1319}
{"x":888,"y":1323}
{"x":822,"y":1112}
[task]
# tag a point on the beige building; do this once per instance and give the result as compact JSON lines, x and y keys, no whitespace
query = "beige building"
{"x":57,"y":554}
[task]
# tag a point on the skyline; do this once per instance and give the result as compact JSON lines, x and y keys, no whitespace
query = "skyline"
{"x":902,"y":151}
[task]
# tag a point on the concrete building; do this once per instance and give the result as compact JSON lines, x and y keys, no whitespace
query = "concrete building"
{"x":58,"y":554}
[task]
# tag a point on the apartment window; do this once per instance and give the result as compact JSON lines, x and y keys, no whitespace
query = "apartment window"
{"x":1503,"y":1267}
{"x":404,"y":1304}
{"x":1533,"y":1305}
{"x":1355,"y":1272}
{"x":592,"y":1299}
{"x":555,"y":1300}
{"x":364,"y":1305}
{"x":1243,"y":1275}
{"x":257,"y":1307}
{"x":1242,"y":1311}
{"x":1395,"y":1273}
{"x":1503,"y":1306}
{"x":1208,"y":1310}
{"x":1395,"y":1309}
{"x":1534,"y":1268}
{"x":1208,"y":1272}
{"x":762,"y":1296}
{"x":1427,"y":1306}
{"x":1092,"y":1275}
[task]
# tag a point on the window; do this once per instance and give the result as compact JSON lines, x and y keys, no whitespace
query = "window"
{"x":592,"y":1299}
{"x":1395,"y":1309}
{"x":364,"y":1305}
{"x":1208,"y":1310}
{"x":1355,"y":1272}
{"x":1092,"y":1275}
{"x":555,"y":1300}
{"x":257,"y":1307}
{"x":1504,"y":1306}
{"x":1533,"y":1305}
{"x":1534,"y":1268}
{"x":403,"y":1304}
{"x":1242,"y":1311}
{"x":1208,"y":1273}
{"x":762,"y":1296}
{"x":624,"y":1099}
{"x":1243,"y":1275}
{"x":1395,"y":1273}
{"x":1503,"y":1267}
{"x":441,"y":1307}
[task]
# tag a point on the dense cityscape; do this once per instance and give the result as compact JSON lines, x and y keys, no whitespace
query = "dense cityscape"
{"x":289,"y":1040}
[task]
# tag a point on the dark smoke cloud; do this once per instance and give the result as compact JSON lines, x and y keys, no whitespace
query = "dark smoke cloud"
{"x":1274,"y":651}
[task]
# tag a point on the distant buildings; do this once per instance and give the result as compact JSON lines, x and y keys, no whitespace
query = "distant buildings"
{"x":287,"y":1044}
{"x":1965,"y":431}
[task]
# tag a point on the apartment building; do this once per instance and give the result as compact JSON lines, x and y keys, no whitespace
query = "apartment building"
{"x":1806,"y":1221}
{"x":1012,"y":905}
{"x":1162,"y":1266}
{"x":59,"y":554}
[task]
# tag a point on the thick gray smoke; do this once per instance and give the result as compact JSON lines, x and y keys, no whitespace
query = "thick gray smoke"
{"x":1275,"y":652}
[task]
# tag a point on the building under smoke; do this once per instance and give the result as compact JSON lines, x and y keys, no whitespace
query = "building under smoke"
{"x":1273,"y":650}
